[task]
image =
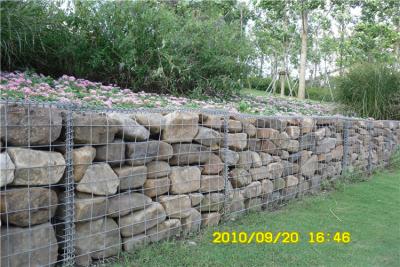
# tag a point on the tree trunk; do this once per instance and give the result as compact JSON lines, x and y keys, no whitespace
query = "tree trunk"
{"x":303,"y":56}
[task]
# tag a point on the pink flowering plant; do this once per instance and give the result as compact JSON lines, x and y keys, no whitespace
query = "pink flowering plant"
{"x":68,"y":89}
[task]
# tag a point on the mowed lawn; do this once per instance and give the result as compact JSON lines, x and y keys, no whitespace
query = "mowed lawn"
{"x":369,"y":210}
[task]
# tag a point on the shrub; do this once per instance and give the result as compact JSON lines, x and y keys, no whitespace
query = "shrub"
{"x":262,"y":83}
{"x":153,"y":46}
{"x":371,"y":90}
{"x":319,"y":94}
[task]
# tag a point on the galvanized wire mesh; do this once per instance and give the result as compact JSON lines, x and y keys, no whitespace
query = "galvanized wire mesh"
{"x":79,"y":185}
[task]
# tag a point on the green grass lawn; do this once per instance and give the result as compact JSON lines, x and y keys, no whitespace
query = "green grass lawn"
{"x":368,"y":210}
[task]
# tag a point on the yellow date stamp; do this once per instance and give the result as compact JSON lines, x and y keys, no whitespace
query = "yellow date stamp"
{"x":283,"y":237}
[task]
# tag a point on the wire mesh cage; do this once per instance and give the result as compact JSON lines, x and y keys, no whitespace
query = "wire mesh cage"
{"x":81,"y":185}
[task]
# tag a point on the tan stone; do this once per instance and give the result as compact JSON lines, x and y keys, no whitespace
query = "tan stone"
{"x":156,"y":187}
{"x":176,"y":206}
{"x":211,"y":183}
{"x":180,"y":127}
{"x":82,"y":158}
{"x":131,"y":177}
{"x":185,"y":179}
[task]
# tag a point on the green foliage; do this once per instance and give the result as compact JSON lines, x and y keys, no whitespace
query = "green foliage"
{"x":262,"y":83}
{"x":371,"y":90}
{"x":145,"y":45}
{"x":319,"y":94}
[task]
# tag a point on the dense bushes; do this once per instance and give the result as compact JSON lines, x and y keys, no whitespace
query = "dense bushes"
{"x":185,"y":47}
{"x":371,"y":90}
{"x":319,"y":94}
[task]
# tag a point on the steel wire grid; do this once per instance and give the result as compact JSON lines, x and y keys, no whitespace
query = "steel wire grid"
{"x":118,"y":179}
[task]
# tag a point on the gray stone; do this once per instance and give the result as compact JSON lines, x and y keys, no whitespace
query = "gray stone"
{"x":131,"y":177}
{"x":208,"y":137}
{"x":195,"y":198}
{"x":214,"y":165}
{"x":279,"y":184}
{"x":191,"y":223}
{"x":210,"y":183}
{"x":289,"y":168}
{"x":320,"y":134}
{"x":7,"y":169}
{"x":337,"y":153}
{"x":99,"y":179}
{"x":256,"y":160}
{"x":82,"y":158}
{"x":35,"y":167}
{"x":180,"y":127}
{"x":326,"y":145}
{"x":259,"y":173}
{"x":156,"y":187}
{"x":293,"y":132}
{"x":112,"y":153}
{"x":94,"y":129}
{"x":176,"y":206}
{"x":28,"y":206}
{"x":252,"y":190}
{"x":249,"y":128}
{"x":142,"y":152}
{"x":267,"y":146}
{"x":24,"y":125}
{"x":236,"y":205}
{"x":234,"y":126}
{"x":166,"y":229}
{"x":99,"y":238}
{"x":239,"y":177}
{"x":155,"y":122}
{"x":291,"y":180}
{"x":275,"y":123}
{"x":245,"y":160}
{"x":185,"y":179}
{"x":253,"y":204}
{"x":274,"y":170}
{"x":210,"y":219}
{"x":129,"y":129}
{"x":157,"y":169}
{"x":33,"y":246}
{"x":124,"y":203}
{"x":237,"y":141}
{"x":309,"y":167}
{"x":267,"y":187}
{"x":307,"y":125}
{"x":265,"y":158}
{"x":211,"y":121}
{"x":186,"y":154}
{"x":307,"y":141}
{"x":87,"y":207}
{"x":134,"y":243}
{"x":229,"y":157}
{"x":139,"y":221}
{"x":293,"y":146}
{"x":212,"y":202}
{"x":267,"y":133}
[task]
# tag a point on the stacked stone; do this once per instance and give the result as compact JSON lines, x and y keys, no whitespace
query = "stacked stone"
{"x":145,"y":177}
{"x":30,"y":174}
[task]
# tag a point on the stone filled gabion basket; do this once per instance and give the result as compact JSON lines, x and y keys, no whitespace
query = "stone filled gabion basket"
{"x":83,"y":185}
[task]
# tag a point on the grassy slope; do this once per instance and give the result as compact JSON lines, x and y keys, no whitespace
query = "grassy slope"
{"x":368,"y":210}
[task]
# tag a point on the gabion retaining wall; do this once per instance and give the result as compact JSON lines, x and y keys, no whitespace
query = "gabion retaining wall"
{"x":81,"y":185}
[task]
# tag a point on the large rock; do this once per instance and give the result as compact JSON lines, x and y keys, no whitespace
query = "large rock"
{"x":180,"y":127}
{"x":212,"y":202}
{"x":214,"y":165}
{"x":282,"y":142}
{"x":99,"y":238}
{"x":87,"y":207}
{"x":266,"y":146}
{"x":177,"y":206}
{"x":293,"y":146}
{"x":131,"y":177}
{"x":34,"y":167}
{"x":210,"y":183}
{"x":249,"y":128}
{"x":82,"y":157}
{"x":337,"y":153}
{"x":237,"y":141}
{"x":166,"y":229}
{"x":239,"y":177}
{"x":28,"y":206}
{"x":139,"y":221}
{"x":157,"y":169}
{"x":236,"y":205}
{"x":265,"y":158}
{"x":326,"y":145}
{"x":291,"y":181}
{"x":211,"y":121}
{"x":274,"y":170}
{"x":124,"y":203}
{"x":134,"y":243}
{"x":210,"y":219}
{"x":275,"y":123}
{"x":33,"y":246}
{"x":267,"y":133}
{"x":234,"y":126}
{"x":94,"y":129}
{"x":289,"y":168}
{"x":196,"y":198}
{"x":293,"y":132}
{"x":155,"y":122}
{"x":25,"y":125}
{"x":99,"y":179}
{"x":229,"y":157}
{"x":256,"y":160}
{"x":253,"y":190}
{"x":185,"y":179}
{"x":253,"y":204}
{"x":279,"y":184}
{"x":7,"y":169}
{"x":208,"y":137}
{"x":307,"y":125}
{"x":129,"y":129}
{"x":245,"y":160}
{"x":259,"y":173}
{"x":186,"y":154}
{"x":112,"y":153}
{"x":267,"y":187}
{"x":192,"y":222}
{"x":309,"y":167}
{"x":142,"y":152}
{"x":156,"y":187}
